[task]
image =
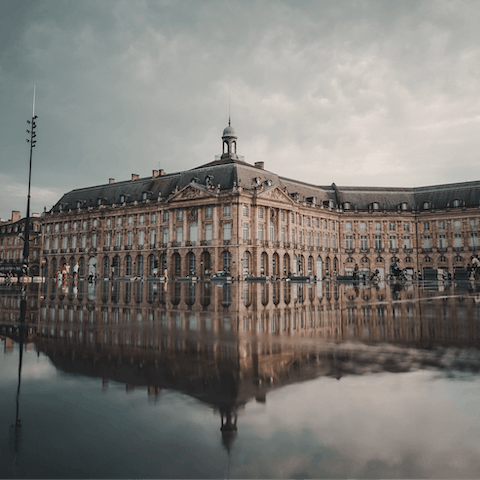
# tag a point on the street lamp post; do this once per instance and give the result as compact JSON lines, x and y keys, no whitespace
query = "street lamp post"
{"x":32,"y":141}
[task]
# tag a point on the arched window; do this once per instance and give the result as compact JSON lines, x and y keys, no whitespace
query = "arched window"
{"x":310,"y":266}
{"x":81,"y":266}
{"x":275,"y":265}
{"x":246,"y":263}
{"x":193,"y":233}
{"x":128,"y":265}
{"x":106,"y":267}
{"x":263,"y":264}
{"x":177,"y":262}
{"x":227,"y":258}
{"x":151,"y":264}
{"x":191,"y":263}
{"x":116,"y":264}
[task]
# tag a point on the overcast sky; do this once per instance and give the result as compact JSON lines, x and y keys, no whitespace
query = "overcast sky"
{"x":383,"y":93}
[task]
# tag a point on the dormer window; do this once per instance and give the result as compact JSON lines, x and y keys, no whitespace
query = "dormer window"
{"x":456,"y":203}
{"x":375,"y":206}
{"x":144,"y":196}
{"x":79,"y":204}
{"x":403,"y":206}
{"x":426,"y":205}
{"x":99,"y":201}
{"x":122,"y":198}
{"x":347,"y":206}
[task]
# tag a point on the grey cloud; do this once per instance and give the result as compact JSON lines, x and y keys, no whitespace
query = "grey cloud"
{"x":351,"y":91}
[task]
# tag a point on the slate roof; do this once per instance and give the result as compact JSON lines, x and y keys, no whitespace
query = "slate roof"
{"x":227,"y":172}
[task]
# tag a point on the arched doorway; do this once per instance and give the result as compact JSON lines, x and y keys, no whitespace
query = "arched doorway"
{"x":192,"y":263}
{"x":264,"y":265}
{"x":275,"y":265}
{"x":92,"y":266}
{"x":205,"y":262}
{"x":319,"y":272}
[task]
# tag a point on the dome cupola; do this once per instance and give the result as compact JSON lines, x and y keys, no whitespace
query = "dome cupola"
{"x":229,"y":139}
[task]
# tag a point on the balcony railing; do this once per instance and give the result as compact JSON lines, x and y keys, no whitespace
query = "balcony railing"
{"x":116,"y":248}
{"x":106,"y":249}
{"x":128,"y":247}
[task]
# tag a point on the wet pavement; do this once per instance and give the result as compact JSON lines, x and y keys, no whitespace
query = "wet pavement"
{"x":120,"y":379}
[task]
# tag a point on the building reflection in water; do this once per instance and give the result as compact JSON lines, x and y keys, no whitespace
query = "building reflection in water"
{"x":230,"y":343}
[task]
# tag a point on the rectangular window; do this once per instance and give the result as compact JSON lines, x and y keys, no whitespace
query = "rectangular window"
{"x":317,"y":239}
{"x":442,"y":241}
{"x":245,"y":211}
{"x":458,"y":240}
{"x":130,"y":220}
{"x":473,"y":223}
{"x":309,"y":239}
{"x":426,"y":242}
{"x":272,"y":232}
{"x":260,"y":233}
{"x":317,"y":223}
{"x":84,"y":224}
{"x":179,"y":215}
{"x":300,"y":238}
{"x":260,"y":212}
{"x":208,"y":212}
{"x":166,"y":216}
{"x":333,"y":227}
{"x":74,"y":241}
{"x":378,"y":242}
{"x":245,"y":231}
{"x":473,"y":240}
{"x":141,"y":238}
{"x":349,"y":242}
{"x":378,"y":227}
{"x":406,"y":241}
{"x":300,"y":220}
{"x":142,"y":219}
{"x":348,"y":226}
{"x":457,"y":224}
{"x":119,"y":221}
{"x":153,"y":238}
{"x":57,"y":228}
{"x":153,"y":218}
{"x":363,"y":226}
{"x":84,"y":241}
{"x":334,"y":241}
{"x":179,"y":234}
{"x":119,"y":239}
{"x":282,"y":235}
{"x":363,"y":242}
{"x":65,"y":226}
{"x":292,"y":218}
{"x":309,"y":222}
{"x":108,"y":239}
{"x":325,"y":224}
{"x":166,"y":235}
{"x":282,"y":216}
{"x":130,"y":238}
{"x":393,"y":241}
{"x":109,"y":222}
{"x":226,"y":211}
{"x":392,"y":226}
{"x":292,"y":236}
{"x":75,"y":226}
{"x":325,"y":241}
{"x":208,"y":233}
{"x":65,"y":243}
{"x":426,"y":226}
{"x":227,"y":231}
{"x":441,"y":225}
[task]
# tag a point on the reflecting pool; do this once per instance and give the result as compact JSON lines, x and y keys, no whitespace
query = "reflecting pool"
{"x":245,"y":380}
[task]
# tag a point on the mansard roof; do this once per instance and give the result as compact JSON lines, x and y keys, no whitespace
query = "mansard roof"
{"x":224,"y":174}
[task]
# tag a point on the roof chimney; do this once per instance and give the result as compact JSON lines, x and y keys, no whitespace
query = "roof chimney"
{"x":111,"y":180}
{"x":135,"y":176}
{"x":154,"y":173}
{"x":260,"y":165}
{"x":161,"y":172}
{"x":16,"y":216}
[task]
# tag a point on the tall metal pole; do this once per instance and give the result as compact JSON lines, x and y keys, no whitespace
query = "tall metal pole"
{"x":26,"y":238}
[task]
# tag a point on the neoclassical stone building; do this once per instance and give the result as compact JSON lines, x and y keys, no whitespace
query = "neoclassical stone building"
{"x":232,"y":215}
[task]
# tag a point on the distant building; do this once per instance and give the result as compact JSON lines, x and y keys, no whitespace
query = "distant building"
{"x":12,"y":244}
{"x":231,"y":215}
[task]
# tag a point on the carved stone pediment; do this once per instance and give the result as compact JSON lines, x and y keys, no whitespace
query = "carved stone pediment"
{"x":191,"y":192}
{"x":275,"y":193}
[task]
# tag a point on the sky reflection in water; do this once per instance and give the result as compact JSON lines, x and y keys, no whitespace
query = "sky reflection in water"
{"x":306,"y":403}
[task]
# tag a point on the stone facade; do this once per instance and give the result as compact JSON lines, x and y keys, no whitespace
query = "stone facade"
{"x":231,"y":215}
{"x":12,"y":244}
